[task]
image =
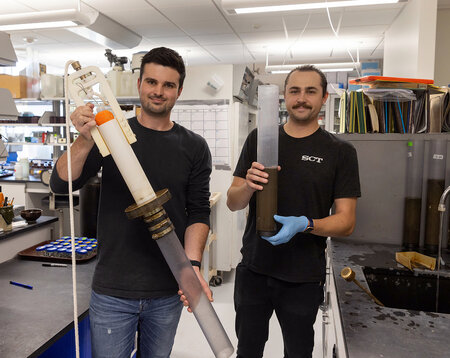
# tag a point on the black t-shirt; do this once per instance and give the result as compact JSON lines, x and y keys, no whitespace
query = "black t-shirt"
{"x":130,"y":263}
{"x":315,"y":171}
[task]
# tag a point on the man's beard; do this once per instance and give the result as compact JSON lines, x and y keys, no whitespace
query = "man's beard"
{"x":158,"y":111}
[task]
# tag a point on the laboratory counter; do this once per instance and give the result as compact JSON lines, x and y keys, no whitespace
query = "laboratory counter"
{"x":13,"y":179}
{"x":41,"y":221}
{"x":25,"y":236}
{"x":370,"y":330}
{"x":31,"y":320}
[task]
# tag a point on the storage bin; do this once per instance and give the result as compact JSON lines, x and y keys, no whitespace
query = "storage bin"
{"x":17,"y":85}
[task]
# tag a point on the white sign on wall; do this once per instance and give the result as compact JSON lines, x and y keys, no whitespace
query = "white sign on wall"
{"x":211,"y":122}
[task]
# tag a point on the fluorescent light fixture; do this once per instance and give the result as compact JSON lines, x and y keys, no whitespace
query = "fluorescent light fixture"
{"x":324,"y":67}
{"x":88,"y":23}
{"x":109,"y":33}
{"x":37,"y":25}
{"x":259,"y":6}
{"x":7,"y":54}
{"x":44,"y":19}
{"x":343,"y":69}
{"x":8,"y":109}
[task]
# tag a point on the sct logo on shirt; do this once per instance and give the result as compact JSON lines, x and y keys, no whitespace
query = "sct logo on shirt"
{"x":311,"y":158}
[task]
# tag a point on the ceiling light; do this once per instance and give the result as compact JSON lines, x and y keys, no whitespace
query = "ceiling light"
{"x":247,"y":7}
{"x":88,"y":23}
{"x":7,"y":54}
{"x":109,"y":33}
{"x":44,"y":19}
{"x":324,"y":67}
{"x":8,"y":108}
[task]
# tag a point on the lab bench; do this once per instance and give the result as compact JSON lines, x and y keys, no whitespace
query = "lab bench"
{"x":32,"y":320}
{"x":355,"y":327}
{"x":29,"y":193}
{"x":20,"y":238}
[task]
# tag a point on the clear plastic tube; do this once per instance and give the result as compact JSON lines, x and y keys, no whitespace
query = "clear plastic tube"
{"x":203,"y":311}
{"x":268,"y":104}
{"x":414,"y":168}
{"x":267,"y":155}
{"x":435,"y":188}
{"x":413,"y":198}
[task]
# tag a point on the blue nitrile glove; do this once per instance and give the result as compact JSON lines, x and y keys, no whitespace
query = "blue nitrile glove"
{"x":291,"y":226}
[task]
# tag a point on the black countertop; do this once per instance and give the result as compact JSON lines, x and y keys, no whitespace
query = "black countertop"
{"x":12,"y":179}
{"x":32,"y":320}
{"x":374,"y":331}
{"x":41,"y":221}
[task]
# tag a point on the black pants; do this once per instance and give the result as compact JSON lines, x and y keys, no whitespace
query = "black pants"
{"x":295,"y":304}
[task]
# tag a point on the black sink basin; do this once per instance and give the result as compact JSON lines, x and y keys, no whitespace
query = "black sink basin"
{"x":408,"y":290}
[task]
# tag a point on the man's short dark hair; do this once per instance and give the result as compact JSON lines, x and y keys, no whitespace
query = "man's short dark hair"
{"x":165,"y":57}
{"x":310,"y":68}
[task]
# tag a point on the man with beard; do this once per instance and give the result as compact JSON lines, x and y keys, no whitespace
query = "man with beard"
{"x":132,"y":282}
{"x":285,"y":273}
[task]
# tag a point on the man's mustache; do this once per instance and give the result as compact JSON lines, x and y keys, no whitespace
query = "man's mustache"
{"x":302,"y":105}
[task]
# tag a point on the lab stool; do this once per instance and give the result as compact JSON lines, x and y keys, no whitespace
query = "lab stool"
{"x":58,"y":203}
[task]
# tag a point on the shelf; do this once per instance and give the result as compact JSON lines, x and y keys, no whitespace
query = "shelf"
{"x":33,"y":125}
{"x":29,"y":143}
{"x":53,"y":99}
{"x":392,"y":136}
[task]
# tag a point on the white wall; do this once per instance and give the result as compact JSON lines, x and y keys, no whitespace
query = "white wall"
{"x":195,"y":85}
{"x":409,"y":48}
{"x":442,"y":68}
{"x":228,"y":226}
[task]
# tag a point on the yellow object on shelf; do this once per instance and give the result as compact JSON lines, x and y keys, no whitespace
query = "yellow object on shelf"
{"x":17,"y":85}
{"x":413,"y":259}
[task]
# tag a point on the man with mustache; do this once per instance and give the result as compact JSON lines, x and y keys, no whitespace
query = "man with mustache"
{"x":285,"y":273}
{"x":132,"y":283}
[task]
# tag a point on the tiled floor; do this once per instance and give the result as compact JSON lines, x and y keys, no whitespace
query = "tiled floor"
{"x":190,"y":342}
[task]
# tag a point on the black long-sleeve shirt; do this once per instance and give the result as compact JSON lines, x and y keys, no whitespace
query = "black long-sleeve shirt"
{"x":130,"y":263}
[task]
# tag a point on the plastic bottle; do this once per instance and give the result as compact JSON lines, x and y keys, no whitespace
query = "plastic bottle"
{"x":114,"y":78}
{"x":18,"y":171}
{"x":25,"y":167}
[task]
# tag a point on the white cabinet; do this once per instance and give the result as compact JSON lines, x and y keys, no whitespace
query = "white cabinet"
{"x":26,"y":193}
{"x":332,"y":332}
{"x":332,"y":119}
{"x":16,"y":191}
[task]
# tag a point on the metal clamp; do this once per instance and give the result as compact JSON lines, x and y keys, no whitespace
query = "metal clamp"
{"x":153,"y":214}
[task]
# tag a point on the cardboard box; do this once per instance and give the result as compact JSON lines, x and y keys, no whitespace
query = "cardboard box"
{"x":17,"y":85}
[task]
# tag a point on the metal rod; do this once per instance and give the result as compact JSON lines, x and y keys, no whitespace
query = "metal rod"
{"x":349,"y":275}
{"x":441,"y":209}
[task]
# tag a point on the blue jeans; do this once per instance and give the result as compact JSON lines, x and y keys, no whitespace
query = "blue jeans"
{"x":114,"y":322}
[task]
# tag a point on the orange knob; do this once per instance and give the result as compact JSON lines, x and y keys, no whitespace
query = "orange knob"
{"x":103,"y":117}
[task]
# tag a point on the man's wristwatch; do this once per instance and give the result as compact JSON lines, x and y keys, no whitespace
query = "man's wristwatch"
{"x":196,"y":263}
{"x":310,"y":226}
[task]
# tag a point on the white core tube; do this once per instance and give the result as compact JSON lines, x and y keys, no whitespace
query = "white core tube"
{"x":127,"y":162}
{"x":268,"y":105}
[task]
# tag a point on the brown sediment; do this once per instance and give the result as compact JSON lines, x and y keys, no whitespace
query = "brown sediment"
{"x":411,"y":223}
{"x":266,"y":204}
